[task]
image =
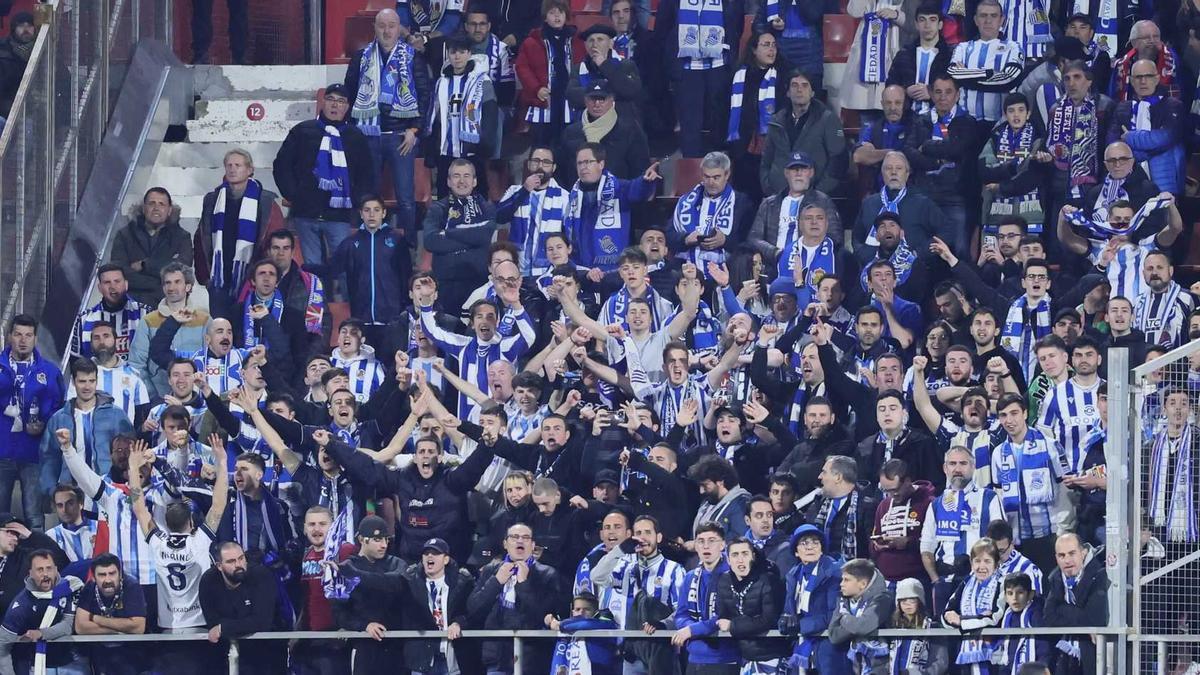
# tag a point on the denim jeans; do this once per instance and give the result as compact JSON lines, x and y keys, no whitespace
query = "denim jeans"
{"x":28,"y":474}
{"x":385,"y":149}
{"x":314,"y":232}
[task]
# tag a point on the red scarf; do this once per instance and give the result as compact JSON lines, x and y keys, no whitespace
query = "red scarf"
{"x":1166,"y":73}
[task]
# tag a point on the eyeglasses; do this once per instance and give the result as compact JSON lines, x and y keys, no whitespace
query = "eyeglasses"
{"x":1009,"y":235}
{"x":587,"y":162}
{"x":1037,"y":277}
{"x":1117,"y":160}
{"x":538,"y":161}
{"x":521,"y":537}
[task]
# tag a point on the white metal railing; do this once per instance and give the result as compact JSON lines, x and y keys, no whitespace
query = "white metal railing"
{"x":54,"y":129}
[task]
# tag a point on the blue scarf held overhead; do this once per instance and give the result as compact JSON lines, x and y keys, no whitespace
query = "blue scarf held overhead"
{"x":331,"y":170}
{"x":247,"y":234}
{"x":389,"y":83}
{"x":701,"y":30}
{"x":766,"y":102}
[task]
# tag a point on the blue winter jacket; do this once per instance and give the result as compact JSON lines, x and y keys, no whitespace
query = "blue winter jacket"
{"x":1162,"y":146}
{"x":377,"y":266}
{"x":822,"y":604}
{"x":698,"y":610}
{"x":41,"y":393}
{"x":107,"y":422}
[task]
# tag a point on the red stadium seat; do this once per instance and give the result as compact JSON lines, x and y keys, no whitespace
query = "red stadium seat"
{"x":360,"y":29}
{"x":338,"y":312}
{"x":422,"y":183}
{"x":586,"y":6}
{"x":686,"y":176}
{"x":583,"y":22}
{"x":839,"y":35}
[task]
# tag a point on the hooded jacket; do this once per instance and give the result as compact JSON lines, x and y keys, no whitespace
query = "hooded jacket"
{"x":40,"y":394}
{"x":753,"y":605}
{"x":822,"y":604}
{"x":430,"y":507}
{"x":108,"y":421}
{"x":729,"y":512}
{"x":846,"y":628}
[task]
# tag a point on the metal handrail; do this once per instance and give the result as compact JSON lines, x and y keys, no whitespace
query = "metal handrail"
{"x":35,"y":56}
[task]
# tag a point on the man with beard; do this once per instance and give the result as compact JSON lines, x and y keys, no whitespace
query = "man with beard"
{"x":92,"y":420}
{"x":555,"y":457}
{"x":824,"y":437}
{"x":516,"y":593}
{"x":778,"y":224}
{"x":373,"y":605}
{"x":219,"y":360}
{"x":954,"y":521}
{"x":977,"y":433}
{"x":44,"y":611}
{"x":843,"y":511}
{"x":866,"y":343}
{"x":796,"y":394}
{"x":1071,"y":409}
{"x":858,"y":397}
{"x":434,"y":593}
{"x":116,"y":308}
{"x":1119,"y":246}
{"x":14,"y":56}
{"x":954,"y":309}
{"x":1027,"y":469}
{"x":723,"y":501}
{"x":1160,"y":313}
{"x":740,"y":438}
{"x":896,"y":440}
{"x":1000,"y":261}
{"x":906,"y":203}
{"x":256,"y":519}
{"x":115,"y":377}
{"x":636,"y":568}
{"x":239,"y":599}
{"x":534,"y":209}
{"x":892,"y":245}
{"x":111,"y":494}
{"x":112,"y":604}
{"x":309,"y":560}
{"x":655,"y":486}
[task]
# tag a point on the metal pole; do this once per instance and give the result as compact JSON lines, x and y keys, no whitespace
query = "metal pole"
{"x":1162,"y":657}
{"x":233,"y":657}
{"x":1101,"y":655}
{"x":316,"y":34}
{"x":518,"y":655}
{"x":1117,"y":527}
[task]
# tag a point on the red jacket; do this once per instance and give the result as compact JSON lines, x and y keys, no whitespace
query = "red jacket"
{"x":533,"y":68}
{"x":907,"y":517}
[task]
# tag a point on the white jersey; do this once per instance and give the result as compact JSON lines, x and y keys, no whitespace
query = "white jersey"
{"x":123,"y":384}
{"x":180,"y":560}
{"x":124,"y":534}
{"x":77,"y":542}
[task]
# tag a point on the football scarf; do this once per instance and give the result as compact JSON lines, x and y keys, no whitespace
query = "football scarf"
{"x":250,"y":333}
{"x":703,"y":215}
{"x":701,"y":29}
{"x":1072,"y":138}
{"x":332,"y":174}
{"x":1172,"y":497}
{"x":389,"y":83}
{"x":1023,"y":327}
{"x":873,"y":67}
{"x":766,"y":102}
{"x":247,"y":233}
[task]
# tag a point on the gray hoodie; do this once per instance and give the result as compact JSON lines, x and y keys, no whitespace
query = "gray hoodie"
{"x":857,"y":628}
{"x":62,"y":626}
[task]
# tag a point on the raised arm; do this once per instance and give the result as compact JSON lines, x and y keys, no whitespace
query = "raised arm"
{"x":289,"y":459}
{"x":220,"y":493}
{"x":138,"y":459}
{"x":921,"y":401}
{"x":1070,"y":240}
{"x":87,"y":479}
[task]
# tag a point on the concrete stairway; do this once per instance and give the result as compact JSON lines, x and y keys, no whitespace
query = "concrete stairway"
{"x":280,"y":95}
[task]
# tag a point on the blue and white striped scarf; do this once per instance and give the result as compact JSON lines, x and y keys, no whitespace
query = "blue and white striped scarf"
{"x":874,"y":48}
{"x":1023,"y":327}
{"x":701,"y":29}
{"x":250,"y":333}
{"x":247,"y":233}
{"x":766,"y":102}
{"x":1172,"y":506}
{"x":585,"y":73}
{"x":1026,"y":476}
{"x":864,"y":651}
{"x":1162,"y":316}
{"x":910,"y":654}
{"x":331,"y":170}
{"x":597,"y":243}
{"x":1020,"y":650}
{"x":717,"y":215}
{"x":1069,"y":646}
{"x":540,"y":215}
{"x":459,"y":126}
{"x":392,"y":87}
{"x":334,"y":585}
{"x":806,"y":584}
{"x":977,"y":600}
{"x":816,"y":263}
{"x":903,"y":260}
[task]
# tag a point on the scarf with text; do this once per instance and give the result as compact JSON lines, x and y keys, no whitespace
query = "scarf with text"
{"x":873,"y":66}
{"x":1172,"y":498}
{"x":540,"y":215}
{"x":829,"y":511}
{"x":701,"y":29}
{"x":1073,"y":138}
{"x":903,"y":259}
{"x":717,"y":215}
{"x":459,"y":100}
{"x":606,"y":230}
{"x":334,"y":585}
{"x":977,"y":600}
{"x":387,"y":83}
{"x":1023,"y":327}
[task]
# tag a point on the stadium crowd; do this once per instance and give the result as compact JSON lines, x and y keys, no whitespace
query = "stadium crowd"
{"x":840,"y":384}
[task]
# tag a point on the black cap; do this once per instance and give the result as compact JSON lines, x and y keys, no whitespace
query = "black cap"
{"x":337,"y":88}
{"x":1069,"y":48}
{"x":20,"y":18}
{"x":1067,"y":312}
{"x":1081,"y":17}
{"x":606,"y":476}
{"x":372,"y":527}
{"x":437,"y":545}
{"x":598,"y":89}
{"x":598,"y":29}
{"x":8,"y":518}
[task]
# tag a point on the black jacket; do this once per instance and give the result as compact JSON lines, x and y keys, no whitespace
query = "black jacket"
{"x":806,"y":459}
{"x":540,"y":594}
{"x":661,"y":494}
{"x":755,"y":459}
{"x":562,"y":466}
{"x":297,"y":159}
{"x":623,"y":79}
{"x":1091,"y":603}
{"x":249,"y":608}
{"x":918,"y":450}
{"x":413,"y":595}
{"x":431,"y":507}
{"x":864,"y":521}
{"x":421,"y":84}
{"x":16,"y":567}
{"x":377,"y":266}
{"x":903,"y":70}
{"x":753,"y":606}
{"x":133,"y":243}
{"x":459,"y":252}
{"x":927,"y":154}
{"x":376,"y":598}
{"x":628,"y":151}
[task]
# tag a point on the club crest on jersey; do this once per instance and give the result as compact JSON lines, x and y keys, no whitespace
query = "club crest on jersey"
{"x":41,"y":378}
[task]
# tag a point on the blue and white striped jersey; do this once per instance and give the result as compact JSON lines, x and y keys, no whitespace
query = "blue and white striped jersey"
{"x":658,"y":577}
{"x":1016,"y":563}
{"x":366,"y":373}
{"x":124,"y":320}
{"x":1068,"y":414}
{"x":77,"y":542}
{"x":980,"y":443}
{"x":986,"y":70}
{"x":222,"y":373}
{"x":123,"y":384}
{"x":1125,"y":271}
{"x":124,"y":534}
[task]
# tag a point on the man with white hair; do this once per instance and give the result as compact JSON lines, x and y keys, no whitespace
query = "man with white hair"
{"x":1145,"y":43}
{"x":710,"y":214}
{"x":921,"y":217}
{"x":235,"y":223}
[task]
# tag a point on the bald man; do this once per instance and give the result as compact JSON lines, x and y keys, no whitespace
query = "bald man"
{"x":219,"y":361}
{"x":1145,"y":42}
{"x":1077,"y":596}
{"x":884,"y":134}
{"x":1153,"y":124}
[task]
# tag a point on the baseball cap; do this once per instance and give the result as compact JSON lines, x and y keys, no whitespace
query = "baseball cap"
{"x":799,"y":160}
{"x":1081,"y":17}
{"x":606,"y":476}
{"x":1069,"y":48}
{"x":1067,"y":312}
{"x":909,"y":588}
{"x":8,"y":518}
{"x":436,"y":544}
{"x":598,"y":89}
{"x":337,"y":88}
{"x":372,"y":527}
